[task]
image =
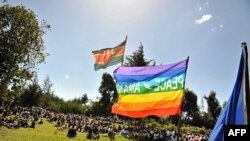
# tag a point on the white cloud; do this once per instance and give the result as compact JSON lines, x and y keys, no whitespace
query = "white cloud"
{"x":200,"y":9}
{"x":221,"y":25}
{"x":66,"y":76}
{"x":207,"y":3}
{"x":212,"y":29}
{"x":203,"y":19}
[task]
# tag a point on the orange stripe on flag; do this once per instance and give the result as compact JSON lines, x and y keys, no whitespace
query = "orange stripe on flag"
{"x":156,"y":112}
{"x":103,"y":58}
{"x":151,"y":105}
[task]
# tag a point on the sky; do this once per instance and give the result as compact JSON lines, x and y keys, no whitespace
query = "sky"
{"x":210,"y":32}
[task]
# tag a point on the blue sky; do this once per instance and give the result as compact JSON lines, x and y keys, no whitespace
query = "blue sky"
{"x":208,"y":31}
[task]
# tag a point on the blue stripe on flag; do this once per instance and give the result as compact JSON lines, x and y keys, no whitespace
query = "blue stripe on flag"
{"x":148,"y":77}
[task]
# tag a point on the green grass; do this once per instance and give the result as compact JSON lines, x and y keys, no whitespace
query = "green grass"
{"x":45,"y":132}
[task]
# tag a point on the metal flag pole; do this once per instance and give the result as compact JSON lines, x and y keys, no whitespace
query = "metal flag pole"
{"x":246,"y":92}
{"x":180,"y":115}
{"x":124,"y":50}
{"x":116,"y":117}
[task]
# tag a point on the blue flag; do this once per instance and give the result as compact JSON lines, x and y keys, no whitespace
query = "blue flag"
{"x":236,"y":111}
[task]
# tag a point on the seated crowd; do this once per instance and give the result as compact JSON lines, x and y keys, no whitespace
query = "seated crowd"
{"x":17,"y":117}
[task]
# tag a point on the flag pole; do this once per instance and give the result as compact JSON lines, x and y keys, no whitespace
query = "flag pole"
{"x":122,"y":64}
{"x":246,"y":92}
{"x":124,"y":50}
{"x":180,"y":115}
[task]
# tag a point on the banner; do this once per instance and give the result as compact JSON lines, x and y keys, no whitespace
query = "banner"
{"x":145,"y":91}
{"x":236,"y":111}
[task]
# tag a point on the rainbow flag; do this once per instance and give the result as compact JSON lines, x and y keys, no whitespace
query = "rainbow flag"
{"x":145,"y":91}
{"x":109,"y":56}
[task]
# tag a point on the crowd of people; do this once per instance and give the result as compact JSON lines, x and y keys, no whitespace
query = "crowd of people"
{"x":23,"y":117}
{"x":17,"y":117}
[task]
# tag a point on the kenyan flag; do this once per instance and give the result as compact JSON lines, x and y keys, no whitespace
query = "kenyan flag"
{"x":109,"y":56}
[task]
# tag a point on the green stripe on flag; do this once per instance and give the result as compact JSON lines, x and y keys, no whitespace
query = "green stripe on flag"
{"x":137,"y":88}
{"x":113,"y":61}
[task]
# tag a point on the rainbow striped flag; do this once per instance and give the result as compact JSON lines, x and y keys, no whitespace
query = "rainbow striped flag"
{"x":145,"y":91}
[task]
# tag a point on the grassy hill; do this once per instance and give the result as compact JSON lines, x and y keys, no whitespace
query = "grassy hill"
{"x":45,"y":132}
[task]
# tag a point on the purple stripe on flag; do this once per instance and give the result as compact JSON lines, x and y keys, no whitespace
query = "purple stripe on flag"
{"x":150,"y":69}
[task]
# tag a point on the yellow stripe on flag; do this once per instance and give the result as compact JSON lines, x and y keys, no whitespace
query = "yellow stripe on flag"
{"x":151,"y":97}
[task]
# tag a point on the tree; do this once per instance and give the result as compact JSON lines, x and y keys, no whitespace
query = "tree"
{"x":108,"y":93}
{"x":224,"y":104}
{"x":21,"y":45}
{"x":202,"y":104}
{"x":72,"y":106}
{"x":94,"y":108}
{"x":190,"y":104}
{"x":207,"y":121}
{"x":47,"y":85}
{"x":52,"y":102}
{"x":84,"y":98}
{"x":214,"y":107}
{"x":137,"y":58}
{"x":48,"y":94}
{"x":31,"y":95}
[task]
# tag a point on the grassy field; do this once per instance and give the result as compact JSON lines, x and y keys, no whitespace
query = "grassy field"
{"x":45,"y":132}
